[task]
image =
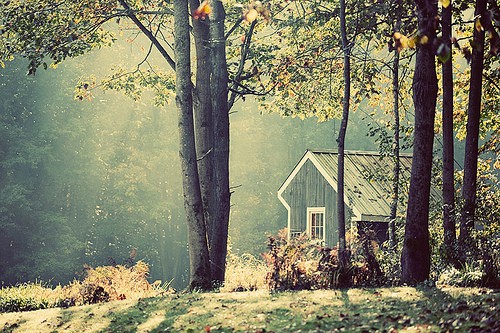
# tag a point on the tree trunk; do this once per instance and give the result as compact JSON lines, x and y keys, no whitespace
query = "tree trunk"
{"x":197,"y":242}
{"x":202,"y":102}
{"x":342,"y":132}
{"x":415,"y":259}
{"x":219,"y":88}
{"x":448,"y":137}
{"x":472,"y":137}
{"x":397,"y":168}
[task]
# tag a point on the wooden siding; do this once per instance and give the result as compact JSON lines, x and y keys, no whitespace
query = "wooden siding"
{"x":310,"y":189}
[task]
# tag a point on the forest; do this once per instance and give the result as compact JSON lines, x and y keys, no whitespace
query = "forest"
{"x":159,"y":132}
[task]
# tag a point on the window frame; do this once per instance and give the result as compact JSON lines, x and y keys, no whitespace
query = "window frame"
{"x":310,"y":212}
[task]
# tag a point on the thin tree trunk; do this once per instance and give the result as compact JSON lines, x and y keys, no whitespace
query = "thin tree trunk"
{"x":342,"y":133}
{"x":202,"y":102}
{"x":472,"y":137}
{"x":395,"y":151}
{"x":448,"y":150}
{"x":198,"y":249}
{"x":219,"y":88}
{"x":415,"y":259}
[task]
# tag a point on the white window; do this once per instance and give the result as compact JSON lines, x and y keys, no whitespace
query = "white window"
{"x":316,"y":223}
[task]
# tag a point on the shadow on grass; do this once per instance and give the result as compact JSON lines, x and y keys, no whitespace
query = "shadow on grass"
{"x":476,"y":311}
{"x":350,"y":310}
{"x":159,"y":314}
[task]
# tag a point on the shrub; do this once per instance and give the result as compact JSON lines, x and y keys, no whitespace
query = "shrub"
{"x":101,"y":284}
{"x":292,"y":264}
{"x":482,"y":269}
{"x":26,"y":297}
{"x":300,"y":263}
{"x":109,"y":283}
{"x":470,"y":275}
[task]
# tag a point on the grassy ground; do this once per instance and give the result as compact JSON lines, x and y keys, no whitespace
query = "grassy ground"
{"x":401,"y":309}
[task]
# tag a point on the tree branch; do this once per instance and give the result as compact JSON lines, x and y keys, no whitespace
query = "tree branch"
{"x":244,"y":52}
{"x":148,"y":33}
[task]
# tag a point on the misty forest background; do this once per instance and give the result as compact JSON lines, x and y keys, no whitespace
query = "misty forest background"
{"x":86,"y":182}
{"x":90,"y":182}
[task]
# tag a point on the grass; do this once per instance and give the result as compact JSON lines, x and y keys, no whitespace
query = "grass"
{"x":399,"y":309}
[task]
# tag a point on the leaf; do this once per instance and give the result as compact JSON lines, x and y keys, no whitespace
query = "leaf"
{"x":411,"y":42}
{"x":478,"y":25}
{"x":443,"y":53}
{"x":202,"y":11}
{"x":250,"y":15}
{"x":445,"y":3}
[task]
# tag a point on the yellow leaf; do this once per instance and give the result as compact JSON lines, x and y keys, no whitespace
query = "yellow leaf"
{"x":445,"y":3}
{"x":2,"y":64}
{"x":411,"y":42}
{"x":202,"y":11}
{"x":251,"y":15}
{"x":478,"y":25}
{"x":424,"y":40}
{"x":404,"y":42}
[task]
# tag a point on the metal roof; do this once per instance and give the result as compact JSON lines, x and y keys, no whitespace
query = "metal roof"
{"x":367,"y":179}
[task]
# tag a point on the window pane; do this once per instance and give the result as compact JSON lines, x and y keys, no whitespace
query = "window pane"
{"x":317,"y":225}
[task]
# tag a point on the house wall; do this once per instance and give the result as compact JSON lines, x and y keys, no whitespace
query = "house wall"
{"x":310,"y":189}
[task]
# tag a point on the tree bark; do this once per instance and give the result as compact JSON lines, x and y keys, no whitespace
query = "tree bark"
{"x":448,"y":149}
{"x":219,"y":88}
{"x":202,"y":102}
{"x":197,"y":242}
{"x":397,"y":168}
{"x":415,"y":259}
{"x":342,"y":132}
{"x":472,"y":137}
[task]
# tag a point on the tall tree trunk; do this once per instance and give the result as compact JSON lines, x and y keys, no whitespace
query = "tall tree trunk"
{"x":219,"y":88}
{"x":472,"y":137}
{"x":395,"y":151}
{"x":448,"y":154}
{"x":202,"y":102}
{"x":415,"y":259}
{"x":197,"y":241}
{"x":342,"y":132}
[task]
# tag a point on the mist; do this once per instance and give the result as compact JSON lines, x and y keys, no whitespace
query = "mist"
{"x":97,"y":181}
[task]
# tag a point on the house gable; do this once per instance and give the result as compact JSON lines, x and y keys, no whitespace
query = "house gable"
{"x":306,"y":190}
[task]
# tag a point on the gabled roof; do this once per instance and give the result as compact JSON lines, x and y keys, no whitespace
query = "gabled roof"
{"x":367,"y":179}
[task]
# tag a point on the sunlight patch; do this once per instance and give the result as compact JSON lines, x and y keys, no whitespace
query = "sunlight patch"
{"x":153,"y":322}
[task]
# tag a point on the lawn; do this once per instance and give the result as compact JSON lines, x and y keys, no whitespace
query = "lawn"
{"x":398,"y":309}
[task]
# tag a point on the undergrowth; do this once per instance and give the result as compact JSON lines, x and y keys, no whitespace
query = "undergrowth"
{"x":101,"y":284}
{"x":244,"y":273}
{"x":301,"y":263}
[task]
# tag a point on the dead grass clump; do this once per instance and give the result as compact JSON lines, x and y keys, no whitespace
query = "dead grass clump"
{"x":244,"y":273}
{"x":109,"y":283}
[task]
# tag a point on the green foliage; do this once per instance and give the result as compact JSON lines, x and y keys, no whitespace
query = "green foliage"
{"x":42,"y":29}
{"x":471,"y":275}
{"x":25,"y":297}
{"x":482,"y":264}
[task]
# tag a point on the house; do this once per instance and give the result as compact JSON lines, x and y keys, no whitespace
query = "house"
{"x":309,"y":193}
